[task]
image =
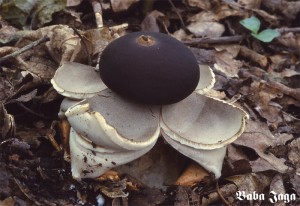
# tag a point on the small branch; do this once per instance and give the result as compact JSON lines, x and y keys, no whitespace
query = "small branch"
{"x":24,"y":49}
{"x":178,"y":14}
{"x":287,"y":30}
{"x":220,"y":194}
{"x":253,"y":56}
{"x":84,"y":45}
{"x":98,"y":12}
{"x":215,"y":40}
{"x":31,"y":112}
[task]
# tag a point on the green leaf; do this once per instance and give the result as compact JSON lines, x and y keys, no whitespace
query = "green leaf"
{"x":267,"y":35}
{"x":252,"y":23}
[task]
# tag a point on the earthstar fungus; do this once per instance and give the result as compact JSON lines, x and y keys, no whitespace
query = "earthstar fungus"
{"x":111,"y":126}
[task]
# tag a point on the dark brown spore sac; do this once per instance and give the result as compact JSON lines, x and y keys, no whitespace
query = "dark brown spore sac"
{"x":150,"y":68}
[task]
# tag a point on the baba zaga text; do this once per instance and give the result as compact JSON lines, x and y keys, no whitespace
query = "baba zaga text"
{"x":273,"y":196}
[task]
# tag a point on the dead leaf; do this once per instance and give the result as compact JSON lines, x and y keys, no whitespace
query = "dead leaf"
{"x":227,"y":64}
{"x":294,"y":151}
{"x":73,"y":3}
{"x":202,"y":4}
{"x":8,"y":126}
{"x":186,"y":196}
{"x":258,"y":137}
{"x":288,"y":8}
{"x":154,"y":21}
{"x":253,"y":56}
{"x":8,"y":202}
{"x":262,"y":96}
{"x":249,"y":183}
{"x":290,"y":39}
{"x":27,"y":97}
{"x":181,"y":35}
{"x":5,"y":189}
{"x":252,"y":4}
{"x":6,"y":89}
{"x":277,"y":187}
{"x":121,"y":5}
{"x":295,"y":180}
{"x":226,"y":191}
{"x":192,"y":174}
{"x":162,"y":165}
{"x":206,"y":29}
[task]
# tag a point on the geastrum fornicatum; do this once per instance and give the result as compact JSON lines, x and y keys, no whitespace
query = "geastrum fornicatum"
{"x":149,"y":85}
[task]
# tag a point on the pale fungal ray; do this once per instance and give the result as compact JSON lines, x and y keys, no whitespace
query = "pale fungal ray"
{"x":108,"y":130}
{"x":206,"y":80}
{"x":211,"y":160}
{"x":202,"y":122}
{"x":77,"y":81}
{"x":90,"y":161}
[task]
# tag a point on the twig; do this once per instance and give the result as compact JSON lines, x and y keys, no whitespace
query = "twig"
{"x":84,"y":45}
{"x":220,"y":194}
{"x":253,"y":56}
{"x":231,"y":39}
{"x":214,"y":40}
{"x":24,"y":49}
{"x":31,"y":112}
{"x":97,"y":7}
{"x":179,"y":16}
{"x":286,"y":30}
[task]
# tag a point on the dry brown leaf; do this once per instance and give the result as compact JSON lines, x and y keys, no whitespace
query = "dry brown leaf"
{"x":250,"y":183}
{"x":121,"y":5}
{"x":253,"y":56}
{"x":6,"y":89}
{"x":252,"y":4}
{"x":150,"y":22}
{"x":294,"y":151}
{"x":271,"y":19}
{"x":290,"y":39}
{"x":261,"y":165}
{"x":8,"y":202}
{"x":192,"y":174}
{"x":295,"y":180}
{"x":181,"y":35}
{"x":238,"y":161}
{"x":278,"y":188}
{"x":186,"y":196}
{"x":8,"y":126}
{"x":162,"y":165}
{"x":97,"y":40}
{"x":226,"y":62}
{"x":222,"y":12}
{"x":262,"y":96}
{"x":258,"y":137}
{"x":206,"y":29}
{"x":73,"y":2}
{"x":288,"y":8}
{"x":226,"y":191}
{"x":202,"y":4}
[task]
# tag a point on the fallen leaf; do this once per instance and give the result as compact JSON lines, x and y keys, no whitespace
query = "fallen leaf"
{"x":202,"y":4}
{"x":121,"y":5}
{"x":8,"y":126}
{"x":249,"y":183}
{"x":294,"y":151}
{"x":277,"y":187}
{"x":258,"y":137}
{"x":194,"y":173}
{"x":262,"y":95}
{"x":206,"y":29}
{"x":227,"y":63}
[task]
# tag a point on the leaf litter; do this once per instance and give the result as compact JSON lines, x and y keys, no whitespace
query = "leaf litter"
{"x":263,"y":77}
